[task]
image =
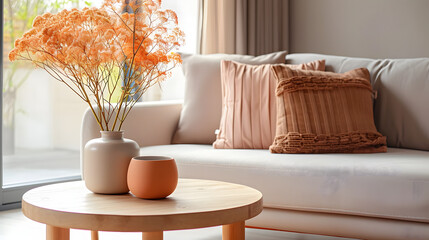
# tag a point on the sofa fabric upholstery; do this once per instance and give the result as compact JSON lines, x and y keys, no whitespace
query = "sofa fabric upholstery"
{"x":351,"y":226}
{"x":401,"y":110}
{"x":386,"y":185}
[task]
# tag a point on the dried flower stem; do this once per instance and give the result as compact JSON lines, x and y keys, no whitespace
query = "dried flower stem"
{"x":93,"y":50}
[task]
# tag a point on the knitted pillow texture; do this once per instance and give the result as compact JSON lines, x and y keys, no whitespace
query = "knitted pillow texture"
{"x":324,"y":112}
{"x":249,"y":104}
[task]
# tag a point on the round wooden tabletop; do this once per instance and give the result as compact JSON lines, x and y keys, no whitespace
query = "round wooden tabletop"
{"x":194,"y":204}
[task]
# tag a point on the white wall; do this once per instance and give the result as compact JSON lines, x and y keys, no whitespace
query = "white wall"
{"x":360,"y":28}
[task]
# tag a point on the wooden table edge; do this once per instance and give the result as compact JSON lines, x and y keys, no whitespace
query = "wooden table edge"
{"x":50,"y":217}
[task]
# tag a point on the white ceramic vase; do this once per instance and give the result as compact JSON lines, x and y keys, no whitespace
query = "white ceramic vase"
{"x":105,"y":162}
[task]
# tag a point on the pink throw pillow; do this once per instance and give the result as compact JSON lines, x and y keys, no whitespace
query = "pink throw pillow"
{"x":249,"y":109}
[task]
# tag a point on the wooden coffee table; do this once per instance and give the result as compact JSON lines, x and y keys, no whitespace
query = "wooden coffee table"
{"x":194,"y":204}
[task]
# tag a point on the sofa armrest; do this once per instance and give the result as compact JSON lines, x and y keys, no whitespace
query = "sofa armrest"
{"x":149,"y":123}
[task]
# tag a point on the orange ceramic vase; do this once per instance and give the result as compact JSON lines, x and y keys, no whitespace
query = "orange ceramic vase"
{"x":152,"y":177}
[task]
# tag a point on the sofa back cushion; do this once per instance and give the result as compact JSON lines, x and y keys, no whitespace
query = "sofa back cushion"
{"x":202,"y":106}
{"x":401,"y":110}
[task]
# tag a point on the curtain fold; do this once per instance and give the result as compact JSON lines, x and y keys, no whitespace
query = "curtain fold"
{"x":253,"y":27}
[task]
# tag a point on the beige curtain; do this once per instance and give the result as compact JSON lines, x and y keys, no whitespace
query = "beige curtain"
{"x":251,"y":27}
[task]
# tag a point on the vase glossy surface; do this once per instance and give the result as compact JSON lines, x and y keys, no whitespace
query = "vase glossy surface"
{"x":152,"y":177}
{"x":106,"y":161}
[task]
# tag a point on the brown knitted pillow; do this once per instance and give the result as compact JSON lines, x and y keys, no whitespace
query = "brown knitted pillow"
{"x":324,"y":112}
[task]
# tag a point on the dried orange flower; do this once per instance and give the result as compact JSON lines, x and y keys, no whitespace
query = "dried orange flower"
{"x":85,"y":49}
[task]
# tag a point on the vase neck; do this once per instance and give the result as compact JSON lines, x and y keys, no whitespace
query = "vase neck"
{"x":112,"y":134}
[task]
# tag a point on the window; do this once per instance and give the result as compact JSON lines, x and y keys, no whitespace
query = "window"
{"x":41,"y":117}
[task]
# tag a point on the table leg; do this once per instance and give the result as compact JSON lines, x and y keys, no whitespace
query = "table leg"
{"x":94,"y":235}
{"x":234,"y":231}
{"x":57,"y":233}
{"x":153,"y":235}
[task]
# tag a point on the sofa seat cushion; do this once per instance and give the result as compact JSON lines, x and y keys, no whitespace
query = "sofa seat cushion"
{"x":387,"y":185}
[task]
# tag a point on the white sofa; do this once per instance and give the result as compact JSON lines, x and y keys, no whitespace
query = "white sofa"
{"x":365,"y":196}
